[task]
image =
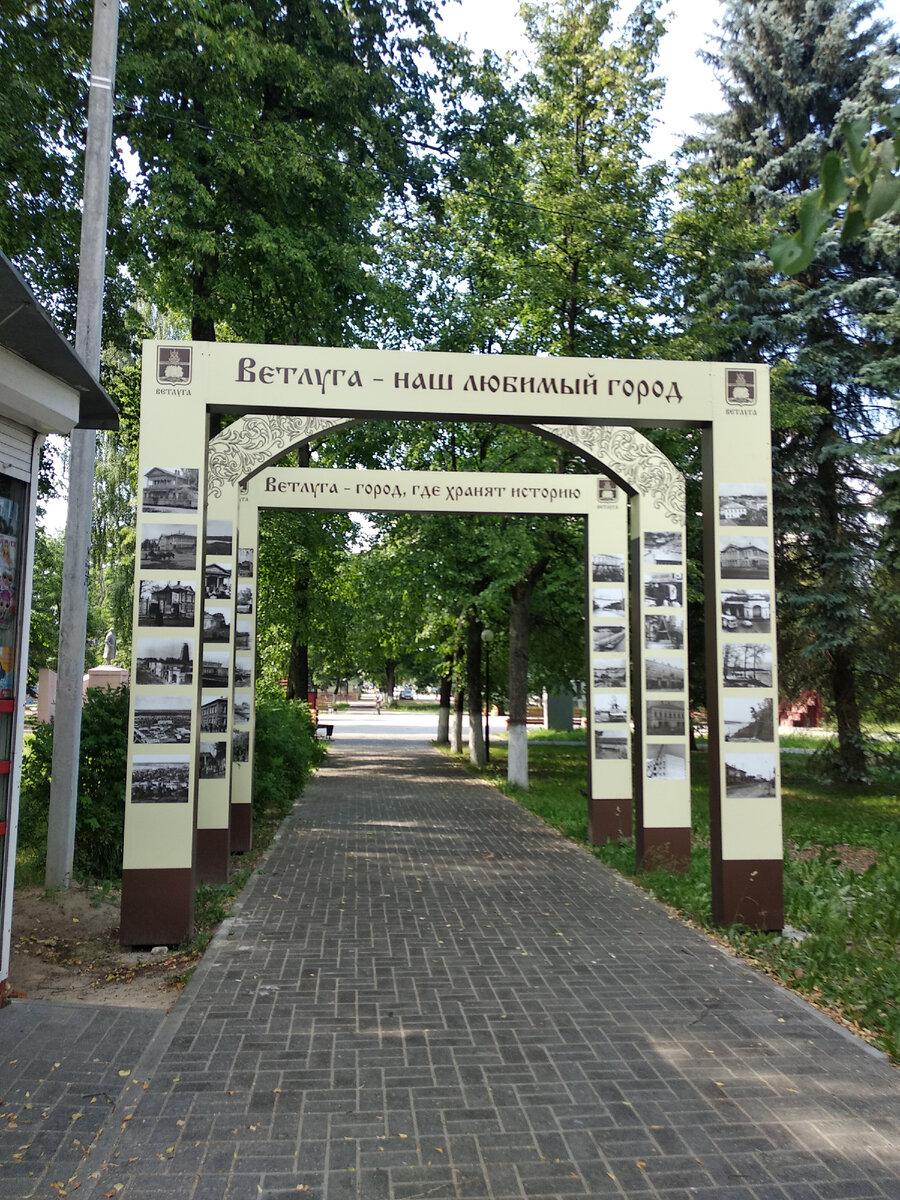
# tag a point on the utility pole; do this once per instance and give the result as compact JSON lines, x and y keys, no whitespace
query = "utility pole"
{"x":76,"y":564}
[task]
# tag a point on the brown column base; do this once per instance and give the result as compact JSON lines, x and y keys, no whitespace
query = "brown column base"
{"x":749,"y":893}
{"x":212,"y":855}
{"x":241,"y":817}
{"x":664,"y":850}
{"x":608,"y":821}
{"x":157,"y":907}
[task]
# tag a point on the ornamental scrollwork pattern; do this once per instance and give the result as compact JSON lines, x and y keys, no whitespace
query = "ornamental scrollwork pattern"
{"x":253,"y":441}
{"x":633,"y":458}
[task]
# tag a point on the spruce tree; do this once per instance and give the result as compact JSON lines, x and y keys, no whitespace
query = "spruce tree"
{"x":791,"y":71}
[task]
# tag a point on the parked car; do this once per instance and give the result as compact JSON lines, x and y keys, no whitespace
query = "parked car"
{"x":406,"y":692}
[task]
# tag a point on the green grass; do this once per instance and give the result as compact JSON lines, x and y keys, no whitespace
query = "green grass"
{"x":849,"y":964}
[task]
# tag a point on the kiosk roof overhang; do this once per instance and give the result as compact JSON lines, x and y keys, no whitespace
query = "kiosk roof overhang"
{"x":27,"y":331}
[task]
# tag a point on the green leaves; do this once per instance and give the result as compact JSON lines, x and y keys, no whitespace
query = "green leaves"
{"x":864,"y":180}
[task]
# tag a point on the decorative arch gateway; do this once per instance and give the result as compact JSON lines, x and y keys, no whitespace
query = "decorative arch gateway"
{"x":188,"y":798}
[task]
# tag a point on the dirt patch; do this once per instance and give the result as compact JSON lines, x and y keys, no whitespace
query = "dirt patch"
{"x":65,"y":946}
{"x":852,"y":858}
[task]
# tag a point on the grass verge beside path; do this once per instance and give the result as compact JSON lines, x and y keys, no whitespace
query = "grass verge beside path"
{"x":841,"y":875}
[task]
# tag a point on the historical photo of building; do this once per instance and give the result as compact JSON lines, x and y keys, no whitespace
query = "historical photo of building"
{"x":749,"y":720}
{"x":243,"y":670}
{"x":749,"y":776}
{"x":240,"y":746}
{"x":161,"y":719}
{"x":746,"y":612}
{"x":213,"y":756}
{"x":609,"y":672}
{"x":610,"y":709}
{"x":609,"y":602}
{"x":608,"y":568}
{"x":217,"y":580}
{"x":747,"y":664}
{"x":608,"y":637}
{"x":744,"y":557}
{"x":743,"y":504}
{"x":245,"y":563}
{"x":665,"y":718}
{"x":167,"y":546}
{"x":165,"y":660}
{"x":160,"y":779}
{"x":665,"y":761}
{"x":216,"y":625}
{"x":663,"y":591}
{"x":169,"y":603}
{"x":241,"y":711}
{"x":243,"y":633}
{"x":664,"y":631}
{"x":214,"y":714}
{"x":215,"y":667}
{"x":664,"y":674}
{"x":170,"y":489}
{"x":244,"y":599}
{"x":663,"y":549}
{"x":219,"y":538}
{"x":609,"y":745}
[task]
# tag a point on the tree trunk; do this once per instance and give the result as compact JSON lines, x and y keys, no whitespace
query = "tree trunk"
{"x":298,"y":669}
{"x":443,"y":729}
{"x":390,"y":669}
{"x":519,"y":634}
{"x":473,"y":691}
{"x":458,"y":709}
{"x":841,"y":652}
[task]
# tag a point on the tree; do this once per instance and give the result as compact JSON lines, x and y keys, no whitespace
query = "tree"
{"x":791,"y":73}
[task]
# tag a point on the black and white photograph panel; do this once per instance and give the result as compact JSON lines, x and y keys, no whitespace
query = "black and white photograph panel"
{"x":609,"y":671}
{"x":170,"y":489}
{"x":241,"y":710}
{"x":610,"y":709}
{"x":162,"y":660}
{"x":213,"y":756}
{"x":608,"y":568}
{"x":664,"y":674}
{"x":219,"y":538}
{"x":214,"y":713}
{"x":240,"y":746}
{"x":743,"y":504}
{"x":609,"y":602}
{"x":243,"y":633}
{"x":161,"y":719}
{"x":746,"y":611}
{"x":748,"y":720}
{"x":744,"y":557}
{"x":243,"y":670}
{"x":663,"y":549}
{"x":160,"y":779}
{"x":168,"y":546}
{"x":749,"y":776}
{"x":215,"y":667}
{"x":244,"y":599}
{"x":663,"y":591}
{"x":245,"y":563}
{"x":665,"y":760}
{"x":665,"y":718}
{"x":216,"y":622}
{"x":664,"y":631}
{"x":609,"y":745}
{"x":747,"y":664}
{"x":217,"y":580}
{"x":170,"y":602}
{"x":608,"y":637}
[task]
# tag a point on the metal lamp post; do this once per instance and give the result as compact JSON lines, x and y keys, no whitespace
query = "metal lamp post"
{"x":487,"y":636}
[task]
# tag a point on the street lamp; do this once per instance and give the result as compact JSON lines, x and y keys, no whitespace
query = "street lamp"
{"x":487,"y":636}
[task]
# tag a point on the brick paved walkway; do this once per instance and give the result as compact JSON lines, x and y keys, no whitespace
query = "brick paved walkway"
{"x":427,"y":994}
